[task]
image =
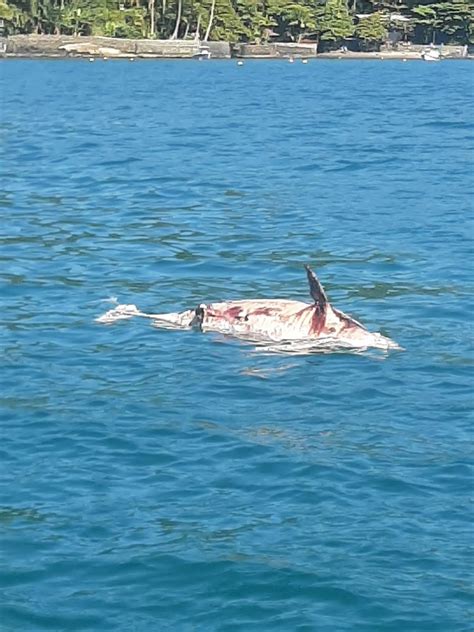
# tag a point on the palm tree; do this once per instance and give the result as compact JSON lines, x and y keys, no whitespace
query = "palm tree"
{"x":178,"y":20}
{"x":151,"y":9}
{"x":197,"y":33}
{"x":211,"y":18}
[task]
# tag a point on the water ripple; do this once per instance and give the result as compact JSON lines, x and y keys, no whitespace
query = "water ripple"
{"x":165,"y":480}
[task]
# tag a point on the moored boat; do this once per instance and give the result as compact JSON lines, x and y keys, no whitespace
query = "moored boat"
{"x":432,"y":54}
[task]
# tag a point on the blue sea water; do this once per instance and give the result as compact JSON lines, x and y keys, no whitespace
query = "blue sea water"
{"x":157,"y":480}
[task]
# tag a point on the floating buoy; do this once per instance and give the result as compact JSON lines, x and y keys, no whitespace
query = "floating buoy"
{"x":131,"y":58}
{"x":291,"y":60}
{"x":240,"y":63}
{"x":91,"y":59}
{"x":105,"y":58}
{"x":304,"y":61}
{"x":404,"y":59}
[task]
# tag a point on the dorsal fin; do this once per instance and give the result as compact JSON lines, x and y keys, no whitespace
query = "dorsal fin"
{"x":316,"y":289}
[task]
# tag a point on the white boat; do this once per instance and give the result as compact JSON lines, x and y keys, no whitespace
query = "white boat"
{"x":432,"y":54}
{"x":204,"y":53}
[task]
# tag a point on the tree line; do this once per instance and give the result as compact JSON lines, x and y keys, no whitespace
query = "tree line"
{"x":328,"y":22}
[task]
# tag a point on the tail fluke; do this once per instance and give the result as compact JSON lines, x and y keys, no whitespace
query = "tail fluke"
{"x":171,"y":320}
{"x":121,"y":312}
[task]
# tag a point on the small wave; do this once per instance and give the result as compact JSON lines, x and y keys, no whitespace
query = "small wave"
{"x":109,"y":299}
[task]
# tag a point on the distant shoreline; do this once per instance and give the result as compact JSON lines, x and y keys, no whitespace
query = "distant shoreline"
{"x":91,"y":48}
{"x":384,"y":56}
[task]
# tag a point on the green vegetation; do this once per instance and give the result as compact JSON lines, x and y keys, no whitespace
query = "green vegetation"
{"x":372,"y":30}
{"x":256,"y":21}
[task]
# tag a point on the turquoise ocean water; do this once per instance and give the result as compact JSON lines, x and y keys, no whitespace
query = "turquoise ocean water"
{"x":173,"y":481}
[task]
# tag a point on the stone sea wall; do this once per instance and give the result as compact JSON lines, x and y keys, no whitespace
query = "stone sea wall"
{"x":70,"y":46}
{"x":447,"y":51}
{"x":276,"y":50}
